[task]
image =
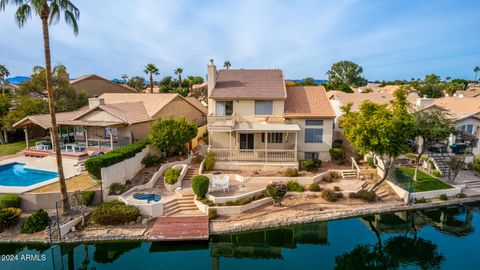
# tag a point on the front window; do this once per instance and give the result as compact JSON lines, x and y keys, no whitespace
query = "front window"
{"x":263,"y":107}
{"x":467,"y":129}
{"x":313,"y":135}
{"x":78,"y":131}
{"x":315,"y":122}
{"x":273,"y":137}
{"x":224,"y":108}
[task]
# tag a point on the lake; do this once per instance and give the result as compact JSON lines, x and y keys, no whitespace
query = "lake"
{"x":444,"y":238}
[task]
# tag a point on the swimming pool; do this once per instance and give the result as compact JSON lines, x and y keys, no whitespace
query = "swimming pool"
{"x":14,"y":174}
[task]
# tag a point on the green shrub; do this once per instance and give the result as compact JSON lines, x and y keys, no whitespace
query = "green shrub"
{"x":314,"y":187}
{"x":337,"y":143}
{"x":476,"y":164}
{"x":290,"y":172}
{"x":114,"y":213}
{"x":95,"y":164}
{"x":337,"y":155}
{"x":443,"y":197}
{"x":171,"y":176}
{"x":84,"y":198}
{"x":461,"y":195}
{"x":310,"y":165}
{"x":36,"y":222}
{"x":436,"y":173}
{"x":207,"y":202}
{"x":151,"y":160}
{"x":9,"y":217}
{"x":294,"y":186}
{"x":331,"y":196}
{"x":212,"y":213}
{"x":337,"y":188}
{"x":276,"y":191}
{"x":421,"y":200}
{"x":10,"y":201}
{"x":117,"y":188}
{"x":327,"y":178}
{"x":334,"y":175}
{"x":209,"y":163}
{"x":365,"y":195}
{"x":370,"y":162}
{"x":200,"y":184}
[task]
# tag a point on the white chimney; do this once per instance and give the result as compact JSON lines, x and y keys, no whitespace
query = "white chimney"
{"x":95,"y":102}
{"x":424,"y":102}
{"x":211,"y":76}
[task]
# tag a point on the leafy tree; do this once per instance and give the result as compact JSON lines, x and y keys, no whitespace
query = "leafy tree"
{"x":178,"y":72}
{"x":309,"y":81}
{"x":5,"y":105}
{"x":195,"y":80}
{"x":431,"y":86}
{"x":380,"y":129}
{"x":151,"y":69}
{"x":4,"y":73}
{"x":452,"y":87}
{"x":346,"y":72}
{"x":167,"y":84}
{"x":124,"y":77}
{"x":227,"y":64}
{"x":172,"y":135}
{"x":429,"y":127}
{"x":476,"y":70}
{"x":137,"y":82}
{"x":49,"y":11}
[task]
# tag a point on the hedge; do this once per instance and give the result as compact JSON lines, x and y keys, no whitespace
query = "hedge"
{"x":10,"y":201}
{"x":171,"y":176}
{"x":200,"y":184}
{"x":36,"y":222}
{"x":94,"y":165}
{"x":114,"y":213}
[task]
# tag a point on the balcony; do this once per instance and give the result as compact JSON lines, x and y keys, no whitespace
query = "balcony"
{"x":261,"y":155}
{"x":221,"y":122}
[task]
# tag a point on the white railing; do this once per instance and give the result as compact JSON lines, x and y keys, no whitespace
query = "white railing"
{"x":355,"y":166}
{"x":221,"y":120}
{"x":255,"y":155}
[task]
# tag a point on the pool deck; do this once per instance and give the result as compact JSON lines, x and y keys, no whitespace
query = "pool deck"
{"x":44,"y":164}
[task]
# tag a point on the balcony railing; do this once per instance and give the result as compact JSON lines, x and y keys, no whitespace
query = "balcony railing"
{"x":255,"y":155}
{"x":221,"y":121}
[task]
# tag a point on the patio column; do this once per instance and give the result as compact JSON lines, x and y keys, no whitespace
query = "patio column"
{"x":230,"y":140}
{"x":296,"y":143}
{"x":26,"y":137}
{"x":85,"y":132}
{"x":266,"y":146}
{"x":111,"y":138}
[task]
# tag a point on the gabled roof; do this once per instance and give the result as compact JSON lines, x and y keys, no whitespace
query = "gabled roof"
{"x":129,"y":112}
{"x":197,"y":104}
{"x":357,"y":98}
{"x":457,"y":106}
{"x":96,"y":77}
{"x":44,"y":121}
{"x":249,"y":84}
{"x":153,"y":103}
{"x":307,"y":101}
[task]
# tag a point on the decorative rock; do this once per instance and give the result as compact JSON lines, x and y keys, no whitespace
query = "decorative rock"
{"x":73,"y":229}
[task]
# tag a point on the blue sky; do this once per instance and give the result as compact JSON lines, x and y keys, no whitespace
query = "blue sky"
{"x":390,"y":39}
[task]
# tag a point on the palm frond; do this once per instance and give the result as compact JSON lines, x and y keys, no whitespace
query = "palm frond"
{"x":24,"y":12}
{"x":71,"y":20}
{"x":54,"y":13}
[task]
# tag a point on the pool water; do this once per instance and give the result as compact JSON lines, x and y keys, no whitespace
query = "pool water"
{"x":15,"y":174}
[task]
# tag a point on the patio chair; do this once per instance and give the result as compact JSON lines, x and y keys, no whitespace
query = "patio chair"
{"x":226,"y":183}
{"x":216,"y":183}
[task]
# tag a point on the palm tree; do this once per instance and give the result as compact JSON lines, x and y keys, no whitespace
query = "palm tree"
{"x":4,"y":73}
{"x":49,"y":11}
{"x":179,"y":72}
{"x":227,"y":64}
{"x":476,"y":70}
{"x":124,"y":77}
{"x":59,"y":69}
{"x":152,"y":70}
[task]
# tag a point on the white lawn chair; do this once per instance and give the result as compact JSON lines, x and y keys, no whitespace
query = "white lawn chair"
{"x":226,"y":183}
{"x":216,"y":183}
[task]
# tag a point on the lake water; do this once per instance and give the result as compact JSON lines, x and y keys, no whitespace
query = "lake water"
{"x":443,"y":238}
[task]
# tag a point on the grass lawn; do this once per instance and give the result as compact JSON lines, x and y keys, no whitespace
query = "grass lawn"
{"x":13,"y":148}
{"x":425,"y":182}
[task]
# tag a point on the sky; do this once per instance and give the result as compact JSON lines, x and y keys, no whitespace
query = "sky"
{"x":390,"y":39}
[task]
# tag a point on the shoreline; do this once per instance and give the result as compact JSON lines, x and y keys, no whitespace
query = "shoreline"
{"x":275,"y":223}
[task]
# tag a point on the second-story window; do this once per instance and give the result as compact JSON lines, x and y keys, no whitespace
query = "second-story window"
{"x":224,"y":107}
{"x":263,"y":107}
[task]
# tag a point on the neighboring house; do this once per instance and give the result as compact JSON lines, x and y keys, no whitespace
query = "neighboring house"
{"x":253,"y":118}
{"x":9,"y":88}
{"x":113,"y":120}
{"x":94,"y":85}
{"x":466,"y":112}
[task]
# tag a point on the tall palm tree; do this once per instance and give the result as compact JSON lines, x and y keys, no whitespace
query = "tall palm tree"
{"x":227,"y":64}
{"x":151,"y":69}
{"x":476,"y":70}
{"x":49,"y":11}
{"x":4,"y":73}
{"x":124,"y":77}
{"x":179,"y":71}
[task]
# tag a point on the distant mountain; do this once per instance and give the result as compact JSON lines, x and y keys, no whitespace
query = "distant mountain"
{"x":18,"y":79}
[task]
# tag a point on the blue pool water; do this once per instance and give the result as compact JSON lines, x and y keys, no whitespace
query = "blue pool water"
{"x":14,"y":174}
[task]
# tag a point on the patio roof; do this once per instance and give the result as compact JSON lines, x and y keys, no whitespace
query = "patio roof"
{"x":92,"y":123}
{"x":255,"y":126}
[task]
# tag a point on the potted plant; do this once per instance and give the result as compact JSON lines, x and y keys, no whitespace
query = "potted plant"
{"x":117,"y":188}
{"x":171,"y":176}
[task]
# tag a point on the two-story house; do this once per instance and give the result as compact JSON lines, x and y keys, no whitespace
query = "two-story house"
{"x":255,"y":120}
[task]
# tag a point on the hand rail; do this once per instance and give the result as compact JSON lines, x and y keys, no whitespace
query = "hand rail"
{"x":355,"y":166}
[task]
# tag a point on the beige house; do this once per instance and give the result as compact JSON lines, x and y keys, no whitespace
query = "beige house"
{"x":95,"y":85}
{"x":111,"y":121}
{"x":253,"y":118}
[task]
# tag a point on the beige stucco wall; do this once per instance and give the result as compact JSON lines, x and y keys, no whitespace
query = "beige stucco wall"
{"x":100,"y":115}
{"x":245,"y":109}
{"x":323,"y":147}
{"x":140,"y":130}
{"x":96,"y":87}
{"x":181,"y":108}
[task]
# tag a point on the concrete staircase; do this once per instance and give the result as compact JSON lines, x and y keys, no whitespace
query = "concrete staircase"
{"x":472,"y":184}
{"x":349,"y":174}
{"x":440,"y":161}
{"x":181,"y":204}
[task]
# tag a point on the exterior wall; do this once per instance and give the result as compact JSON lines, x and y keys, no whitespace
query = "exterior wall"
{"x":245,"y":109}
{"x":96,"y":87}
{"x":322,"y":148}
{"x":221,"y":140}
{"x":181,"y":108}
{"x":140,"y":130}
{"x":476,"y":131}
{"x":100,"y":115}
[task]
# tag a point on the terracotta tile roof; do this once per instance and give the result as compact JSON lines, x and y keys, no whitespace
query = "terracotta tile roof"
{"x":43,"y":120}
{"x":249,"y":84}
{"x":307,"y":101}
{"x":470,"y":93}
{"x":357,"y":98}
{"x":458,"y":107}
{"x":129,"y":112}
{"x":96,"y":77}
{"x":197,"y":104}
{"x":153,"y":103}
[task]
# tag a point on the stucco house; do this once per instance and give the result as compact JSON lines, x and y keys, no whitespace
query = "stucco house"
{"x":110,"y":121}
{"x":94,"y":85}
{"x":254,"y":119}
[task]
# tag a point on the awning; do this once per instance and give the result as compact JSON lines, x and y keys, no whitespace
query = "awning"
{"x":255,"y":126}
